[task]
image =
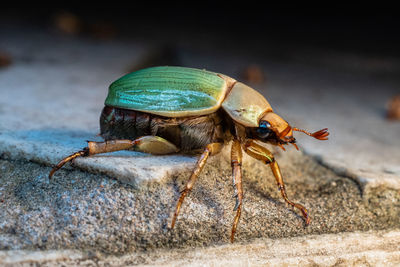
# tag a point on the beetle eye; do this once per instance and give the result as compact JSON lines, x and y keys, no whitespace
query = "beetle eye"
{"x":264,"y":130}
{"x":265,"y":124}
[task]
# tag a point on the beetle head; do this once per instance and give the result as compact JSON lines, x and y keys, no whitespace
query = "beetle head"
{"x":275,"y":130}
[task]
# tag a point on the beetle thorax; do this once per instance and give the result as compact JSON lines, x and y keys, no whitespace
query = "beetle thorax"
{"x":245,"y":105}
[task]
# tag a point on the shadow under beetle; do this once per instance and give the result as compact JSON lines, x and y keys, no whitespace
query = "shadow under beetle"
{"x":163,"y":110}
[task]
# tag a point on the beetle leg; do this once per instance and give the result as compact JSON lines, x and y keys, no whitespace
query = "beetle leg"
{"x":82,"y":153}
{"x":211,"y":149}
{"x":236,"y":162}
{"x":148,"y":144}
{"x":261,"y":153}
{"x":95,"y":148}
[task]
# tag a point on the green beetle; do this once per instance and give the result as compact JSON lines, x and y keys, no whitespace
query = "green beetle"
{"x":163,"y":110}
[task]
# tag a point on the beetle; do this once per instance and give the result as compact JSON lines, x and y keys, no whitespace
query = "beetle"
{"x":167,"y":109}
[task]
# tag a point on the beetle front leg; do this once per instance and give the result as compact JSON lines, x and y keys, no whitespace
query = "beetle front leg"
{"x":211,"y":149}
{"x":236,"y":162}
{"x":261,"y":153}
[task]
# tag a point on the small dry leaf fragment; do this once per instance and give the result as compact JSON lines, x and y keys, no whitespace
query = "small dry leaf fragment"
{"x":5,"y":59}
{"x":68,"y":23}
{"x":393,"y":108}
{"x":253,"y":74}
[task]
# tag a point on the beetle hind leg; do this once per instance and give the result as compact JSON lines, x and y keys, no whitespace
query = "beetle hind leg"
{"x":82,"y":153}
{"x":149,"y":144}
{"x":95,"y":148}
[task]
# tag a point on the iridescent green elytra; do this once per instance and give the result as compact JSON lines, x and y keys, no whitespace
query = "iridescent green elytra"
{"x":169,"y":91}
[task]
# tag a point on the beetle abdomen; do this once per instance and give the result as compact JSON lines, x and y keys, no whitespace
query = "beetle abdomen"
{"x":187,"y":133}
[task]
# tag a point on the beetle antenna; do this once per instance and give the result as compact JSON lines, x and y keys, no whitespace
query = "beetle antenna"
{"x":320,"y":135}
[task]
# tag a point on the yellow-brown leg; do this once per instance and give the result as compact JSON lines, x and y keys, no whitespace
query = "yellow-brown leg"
{"x":261,"y":153}
{"x":148,"y":144}
{"x":211,"y":149}
{"x":95,"y":148}
{"x":236,"y":162}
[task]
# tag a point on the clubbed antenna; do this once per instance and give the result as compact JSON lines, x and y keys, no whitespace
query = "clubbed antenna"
{"x":320,"y":135}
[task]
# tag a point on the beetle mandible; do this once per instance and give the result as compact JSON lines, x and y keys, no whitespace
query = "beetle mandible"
{"x":163,"y":110}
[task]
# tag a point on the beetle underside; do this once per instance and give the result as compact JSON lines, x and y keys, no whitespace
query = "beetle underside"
{"x":188,"y":134}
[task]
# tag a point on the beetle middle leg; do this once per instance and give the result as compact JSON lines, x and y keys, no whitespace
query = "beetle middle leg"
{"x":211,"y":149}
{"x":236,"y":162}
{"x":149,"y":144}
{"x":261,"y":153}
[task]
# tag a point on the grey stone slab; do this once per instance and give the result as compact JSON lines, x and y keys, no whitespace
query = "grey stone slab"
{"x":380,"y":248}
{"x":77,"y":210}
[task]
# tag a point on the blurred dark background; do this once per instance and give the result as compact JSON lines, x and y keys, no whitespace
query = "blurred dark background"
{"x":358,"y":39}
{"x":246,"y":27}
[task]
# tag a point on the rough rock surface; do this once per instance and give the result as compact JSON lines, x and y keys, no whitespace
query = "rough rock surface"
{"x":51,"y":106}
{"x":77,"y":210}
{"x":380,"y":248}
